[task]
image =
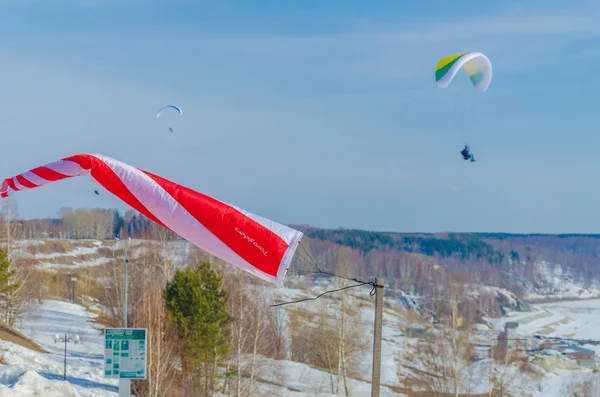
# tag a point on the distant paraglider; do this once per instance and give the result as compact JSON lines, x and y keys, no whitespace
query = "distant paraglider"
{"x":177,"y":108}
{"x":477,"y":66}
{"x":97,"y":193}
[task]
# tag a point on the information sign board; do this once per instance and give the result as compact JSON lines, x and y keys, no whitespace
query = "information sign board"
{"x":125,"y":353}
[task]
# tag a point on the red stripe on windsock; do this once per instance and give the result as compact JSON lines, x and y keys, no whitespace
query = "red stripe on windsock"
{"x":12,"y":185}
{"x":255,"y":243}
{"x":105,"y":176}
{"x":25,"y":182}
{"x":48,"y":174}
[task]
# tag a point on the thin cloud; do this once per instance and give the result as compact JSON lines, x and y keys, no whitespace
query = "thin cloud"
{"x":384,"y":50}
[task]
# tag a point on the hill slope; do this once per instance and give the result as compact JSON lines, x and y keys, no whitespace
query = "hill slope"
{"x":532,"y":265}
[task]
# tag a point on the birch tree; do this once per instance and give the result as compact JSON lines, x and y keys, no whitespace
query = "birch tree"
{"x":114,"y":287}
{"x":331,"y":341}
{"x":253,"y":332}
{"x":148,"y":311}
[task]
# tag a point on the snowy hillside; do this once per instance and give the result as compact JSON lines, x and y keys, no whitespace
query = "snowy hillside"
{"x":27,"y":370}
{"x":550,"y":280}
{"x":553,"y":281}
{"x":403,"y":370}
{"x":74,"y":254}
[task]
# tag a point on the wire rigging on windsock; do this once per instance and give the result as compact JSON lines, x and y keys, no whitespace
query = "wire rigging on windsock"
{"x":313,"y":263}
{"x":324,"y":293}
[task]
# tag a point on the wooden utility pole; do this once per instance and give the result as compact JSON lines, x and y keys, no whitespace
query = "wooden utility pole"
{"x":376,"y":380}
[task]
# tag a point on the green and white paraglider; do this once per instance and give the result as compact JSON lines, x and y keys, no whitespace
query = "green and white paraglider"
{"x":479,"y":69}
{"x":477,"y":66}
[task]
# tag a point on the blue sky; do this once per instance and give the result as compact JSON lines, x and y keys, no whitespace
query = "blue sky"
{"x":314,"y":112}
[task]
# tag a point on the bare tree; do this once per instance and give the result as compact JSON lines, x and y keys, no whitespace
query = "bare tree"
{"x":446,"y":350}
{"x":148,"y":311}
{"x":331,"y":340}
{"x":582,"y":385}
{"x":342,"y":324}
{"x":114,"y":286}
{"x":163,"y":255}
{"x":14,"y":302}
{"x":508,"y":377}
{"x":252,"y":331}
{"x":82,"y":223}
{"x":39,"y":280}
{"x":281,"y":335}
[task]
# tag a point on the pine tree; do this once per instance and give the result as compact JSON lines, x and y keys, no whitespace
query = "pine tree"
{"x":8,"y":303}
{"x":118,"y":223}
{"x":197,"y":302}
{"x":6,"y":274}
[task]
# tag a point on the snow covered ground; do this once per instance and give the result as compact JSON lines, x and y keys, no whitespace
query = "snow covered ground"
{"x":28,"y":370}
{"x":553,"y":281}
{"x":86,"y":253}
{"x":300,"y":380}
{"x":568,"y":319}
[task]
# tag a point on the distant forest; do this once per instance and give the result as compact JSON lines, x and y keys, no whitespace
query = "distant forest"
{"x":418,"y":262}
{"x":425,"y":260}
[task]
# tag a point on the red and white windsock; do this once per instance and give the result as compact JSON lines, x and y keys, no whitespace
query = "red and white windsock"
{"x":255,"y":244}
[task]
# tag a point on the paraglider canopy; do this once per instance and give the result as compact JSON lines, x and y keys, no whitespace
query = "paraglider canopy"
{"x":477,"y":66}
{"x":177,"y":108}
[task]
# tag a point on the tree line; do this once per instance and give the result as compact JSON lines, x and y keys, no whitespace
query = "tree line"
{"x":80,"y":223}
{"x":417,"y":263}
{"x":500,"y":259}
{"x":503,"y":260}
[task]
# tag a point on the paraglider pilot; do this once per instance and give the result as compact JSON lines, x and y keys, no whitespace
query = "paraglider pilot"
{"x":465,"y":152}
{"x":466,"y":155}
